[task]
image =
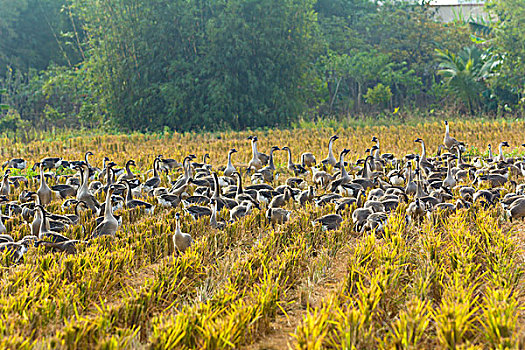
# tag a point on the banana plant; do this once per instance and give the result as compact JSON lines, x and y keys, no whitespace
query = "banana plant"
{"x":465,"y":73}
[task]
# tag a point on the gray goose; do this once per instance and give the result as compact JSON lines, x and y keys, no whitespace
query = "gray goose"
{"x":181,"y":241}
{"x":109,"y":225}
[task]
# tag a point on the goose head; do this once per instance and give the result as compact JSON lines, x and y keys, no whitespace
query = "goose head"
{"x":374,"y":139}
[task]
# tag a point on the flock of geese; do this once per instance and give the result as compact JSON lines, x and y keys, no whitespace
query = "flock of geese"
{"x":370,"y":189}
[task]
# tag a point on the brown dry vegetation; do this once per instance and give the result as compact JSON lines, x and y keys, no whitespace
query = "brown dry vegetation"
{"x":454,"y":282}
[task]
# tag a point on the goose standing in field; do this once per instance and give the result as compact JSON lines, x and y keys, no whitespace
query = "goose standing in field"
{"x":5,"y":188}
{"x":306,"y":196}
{"x":44,"y":231}
{"x":181,"y":241}
{"x":308,"y":160}
{"x":449,"y":141}
{"x":240,"y":196}
{"x":266,"y":173}
{"x":330,"y":159}
{"x":109,"y":225}
{"x":296,"y":168}
{"x":166,"y":164}
{"x":277,"y":215}
{"x":230,"y":169}
{"x":154,"y":181}
{"x":83,"y":192}
{"x":44,"y":192}
{"x":258,"y":159}
{"x":135,"y":203}
{"x":15,"y":163}
{"x":128,"y":175}
{"x":501,"y":157}
{"x":449,"y":181}
{"x":241,"y":210}
{"x":281,"y":199}
{"x":213,"y":218}
{"x":344,"y":178}
{"x":49,"y":163}
{"x":329,"y":222}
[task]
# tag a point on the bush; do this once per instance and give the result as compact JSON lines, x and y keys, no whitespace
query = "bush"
{"x":379,"y":95}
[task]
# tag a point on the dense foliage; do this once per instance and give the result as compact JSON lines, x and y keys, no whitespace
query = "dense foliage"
{"x":243,"y":63}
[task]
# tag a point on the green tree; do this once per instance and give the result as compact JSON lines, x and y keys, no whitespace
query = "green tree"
{"x":465,"y":73}
{"x":509,"y":42}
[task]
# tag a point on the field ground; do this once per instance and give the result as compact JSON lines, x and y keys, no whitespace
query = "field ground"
{"x":445,"y":282}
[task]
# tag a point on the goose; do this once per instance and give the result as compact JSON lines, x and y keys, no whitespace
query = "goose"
{"x":109,"y":225}
{"x":344,"y":177}
{"x":258,"y":159}
{"x":423,"y":157}
{"x":296,"y":168}
{"x":3,"y":229}
{"x":375,"y":222}
{"x":181,"y":184}
{"x":267,"y":172}
{"x":165,"y":164}
{"x":255,"y":163}
{"x":411,"y":186}
{"x":213,"y":218}
{"x":516,"y":210}
{"x":154,"y":181}
{"x":16,"y":250}
{"x":135,"y":203}
{"x":306,"y":196}
{"x":381,"y":157}
{"x":197,"y":211}
{"x":308,"y":160}
{"x":50,"y":163}
{"x":230,"y":169}
{"x":64,"y":190}
{"x":277,"y":215}
{"x":128,"y":175}
{"x":91,"y":170}
{"x":44,"y":192}
{"x":83,"y":192}
{"x":5,"y":188}
{"x":44,"y":231}
{"x":181,"y":241}
{"x":416,"y":210}
{"x":449,"y":181}
{"x":204,"y":164}
{"x":449,"y":141}
{"x":329,"y":222}
{"x":344,"y":203}
{"x":241,"y":210}
{"x":266,"y":196}
{"x":15,"y":163}
{"x":501,"y":156}
{"x":75,"y":218}
{"x":281,"y":200}
{"x":240,"y":196}
{"x":321,"y":178}
{"x":68,"y":246}
{"x":330,"y":159}
{"x":296,"y":182}
{"x":420,"y":191}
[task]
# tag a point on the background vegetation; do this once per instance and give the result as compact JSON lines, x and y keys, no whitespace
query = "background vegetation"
{"x":187,"y":65}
